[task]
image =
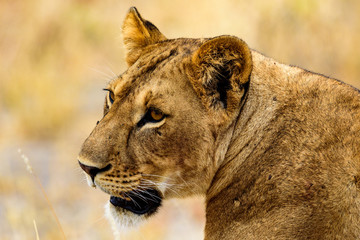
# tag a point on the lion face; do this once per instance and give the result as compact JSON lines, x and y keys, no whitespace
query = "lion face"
{"x":160,"y":133}
{"x":143,"y":148}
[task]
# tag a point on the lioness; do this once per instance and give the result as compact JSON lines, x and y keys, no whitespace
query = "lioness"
{"x":274,"y":148}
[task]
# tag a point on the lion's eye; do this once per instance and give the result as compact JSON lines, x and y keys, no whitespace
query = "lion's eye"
{"x":156,"y":115}
{"x":111,"y":95}
{"x":152,"y":116}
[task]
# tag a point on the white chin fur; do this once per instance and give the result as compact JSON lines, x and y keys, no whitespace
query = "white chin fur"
{"x":121,"y":220}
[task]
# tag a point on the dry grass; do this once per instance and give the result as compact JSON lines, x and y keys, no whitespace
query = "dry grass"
{"x":57,"y":55}
{"x":44,"y":195}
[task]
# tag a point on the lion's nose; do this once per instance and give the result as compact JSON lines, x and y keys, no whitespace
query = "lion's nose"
{"x":92,"y":171}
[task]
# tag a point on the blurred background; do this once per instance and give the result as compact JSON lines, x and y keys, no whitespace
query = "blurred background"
{"x":56,"y":56}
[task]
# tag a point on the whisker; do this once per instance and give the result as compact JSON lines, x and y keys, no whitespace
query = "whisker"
{"x":107,"y":76}
{"x":168,"y":186}
{"x":139,"y":191}
{"x":134,"y":190}
{"x":132,"y":200}
{"x":157,"y":182}
{"x":188,"y":186}
{"x":110,"y":67}
{"x":174,"y":191}
{"x":146,"y":182}
{"x":159,"y":176}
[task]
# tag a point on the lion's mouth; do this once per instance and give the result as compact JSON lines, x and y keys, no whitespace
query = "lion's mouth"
{"x":139,"y":202}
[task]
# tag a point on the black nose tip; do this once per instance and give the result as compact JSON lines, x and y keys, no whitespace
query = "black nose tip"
{"x":92,"y":171}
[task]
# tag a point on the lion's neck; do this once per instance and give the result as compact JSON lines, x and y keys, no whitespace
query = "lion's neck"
{"x":252,"y":130}
{"x":251,"y":137}
{"x":247,"y":134}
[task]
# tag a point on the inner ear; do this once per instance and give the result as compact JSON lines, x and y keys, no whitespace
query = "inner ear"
{"x":223,"y":84}
{"x":221,"y":71}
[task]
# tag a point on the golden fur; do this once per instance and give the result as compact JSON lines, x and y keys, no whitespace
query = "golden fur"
{"x":274,"y":148}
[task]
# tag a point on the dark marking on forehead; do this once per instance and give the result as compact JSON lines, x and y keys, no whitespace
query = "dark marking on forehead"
{"x":155,"y":57}
{"x":152,"y":58}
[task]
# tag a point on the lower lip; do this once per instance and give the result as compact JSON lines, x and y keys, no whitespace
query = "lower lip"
{"x":146,"y":201}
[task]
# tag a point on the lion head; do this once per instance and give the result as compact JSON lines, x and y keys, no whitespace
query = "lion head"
{"x":166,"y":122}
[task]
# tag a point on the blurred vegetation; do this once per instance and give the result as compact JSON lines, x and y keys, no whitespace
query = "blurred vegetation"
{"x":47,"y":48}
{"x":55,"y":56}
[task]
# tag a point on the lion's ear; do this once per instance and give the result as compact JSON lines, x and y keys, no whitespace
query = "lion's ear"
{"x":137,"y":34}
{"x":221,"y":69}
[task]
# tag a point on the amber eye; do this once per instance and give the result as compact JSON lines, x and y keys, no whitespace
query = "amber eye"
{"x":152,"y":116}
{"x":156,"y":115}
{"x":111,"y":97}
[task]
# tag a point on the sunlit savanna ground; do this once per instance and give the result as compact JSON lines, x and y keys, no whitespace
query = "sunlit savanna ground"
{"x":56,"y":56}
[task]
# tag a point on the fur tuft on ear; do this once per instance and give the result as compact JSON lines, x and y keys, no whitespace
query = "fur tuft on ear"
{"x":221,"y":69}
{"x":137,"y":34}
